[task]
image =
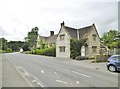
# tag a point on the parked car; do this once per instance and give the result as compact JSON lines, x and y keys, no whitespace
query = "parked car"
{"x":114,"y":63}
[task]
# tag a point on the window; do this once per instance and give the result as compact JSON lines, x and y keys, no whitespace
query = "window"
{"x":62,"y":48}
{"x":62,"y":37}
{"x":94,"y":49}
{"x":94,"y":37}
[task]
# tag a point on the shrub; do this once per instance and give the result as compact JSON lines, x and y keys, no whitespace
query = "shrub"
{"x":81,"y":58}
{"x":8,"y":50}
{"x":47,"y":51}
{"x":101,"y":58}
{"x":75,"y":47}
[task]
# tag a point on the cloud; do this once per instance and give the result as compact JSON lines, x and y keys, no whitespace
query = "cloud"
{"x":20,"y":16}
{"x":3,"y":32}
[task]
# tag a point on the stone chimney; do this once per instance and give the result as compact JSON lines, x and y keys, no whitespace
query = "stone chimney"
{"x":51,"y":33}
{"x":62,"y":24}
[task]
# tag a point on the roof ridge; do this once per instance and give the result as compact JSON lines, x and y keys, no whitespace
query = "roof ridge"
{"x":70,"y":27}
{"x":86,"y":27}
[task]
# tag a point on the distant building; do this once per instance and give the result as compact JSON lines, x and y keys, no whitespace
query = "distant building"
{"x":50,"y":40}
{"x":66,"y":33}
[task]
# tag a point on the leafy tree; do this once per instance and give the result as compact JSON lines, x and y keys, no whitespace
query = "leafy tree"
{"x":41,"y":43}
{"x":32,"y":37}
{"x":75,"y":47}
{"x":46,"y":45}
{"x":25,"y":47}
{"x":15,"y":45}
{"x":111,"y":38}
{"x":3,"y":44}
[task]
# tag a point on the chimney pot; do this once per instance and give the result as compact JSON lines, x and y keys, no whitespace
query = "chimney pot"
{"x":51,"y":33}
{"x":63,"y":23}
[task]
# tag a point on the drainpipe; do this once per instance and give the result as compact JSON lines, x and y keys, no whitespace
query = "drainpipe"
{"x":78,"y":36}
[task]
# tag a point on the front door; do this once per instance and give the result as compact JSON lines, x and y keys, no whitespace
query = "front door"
{"x":83,"y":51}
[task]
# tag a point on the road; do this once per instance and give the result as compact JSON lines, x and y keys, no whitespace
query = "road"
{"x":41,"y":71}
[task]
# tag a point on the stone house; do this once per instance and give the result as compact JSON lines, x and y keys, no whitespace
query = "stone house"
{"x":50,"y":40}
{"x":66,"y":33}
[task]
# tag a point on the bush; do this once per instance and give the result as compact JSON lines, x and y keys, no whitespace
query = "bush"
{"x":75,"y":47}
{"x":81,"y":58}
{"x":8,"y":50}
{"x":47,"y":51}
{"x":101,"y":58}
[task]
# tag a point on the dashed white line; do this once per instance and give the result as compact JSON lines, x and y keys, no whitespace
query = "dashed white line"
{"x":77,"y":82}
{"x":33,"y":80}
{"x":37,"y":81}
{"x":62,"y":81}
{"x":24,"y":71}
{"x":55,"y":72}
{"x":81,"y":74}
{"x":42,"y":71}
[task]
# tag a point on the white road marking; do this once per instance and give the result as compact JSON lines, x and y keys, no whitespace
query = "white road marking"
{"x":62,"y":81}
{"x":23,"y":69}
{"x":81,"y":74}
{"x":33,"y":80}
{"x":42,"y":71}
{"x":37,"y":80}
{"x":77,"y":82}
{"x":17,"y":68}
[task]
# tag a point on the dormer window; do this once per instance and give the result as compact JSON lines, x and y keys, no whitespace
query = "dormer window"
{"x":62,"y":37}
{"x":94,"y":37}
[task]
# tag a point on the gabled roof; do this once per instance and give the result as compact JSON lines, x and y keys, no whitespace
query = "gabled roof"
{"x":83,"y":32}
{"x":49,"y":39}
{"x":52,"y":39}
{"x":72,"y":31}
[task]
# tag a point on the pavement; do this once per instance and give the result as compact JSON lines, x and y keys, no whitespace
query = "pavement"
{"x":88,"y":63}
{"x":42,"y":71}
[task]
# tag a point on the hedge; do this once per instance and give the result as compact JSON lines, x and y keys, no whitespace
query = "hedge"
{"x":47,"y":51}
{"x":101,"y":58}
{"x":75,"y":47}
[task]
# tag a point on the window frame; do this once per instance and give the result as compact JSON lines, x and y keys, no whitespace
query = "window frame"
{"x":94,"y":37}
{"x":94,"y":49}
{"x":61,"y":48}
{"x":62,"y":37}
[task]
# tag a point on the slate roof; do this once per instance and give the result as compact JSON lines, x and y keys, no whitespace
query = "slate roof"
{"x":49,"y":39}
{"x":83,"y":32}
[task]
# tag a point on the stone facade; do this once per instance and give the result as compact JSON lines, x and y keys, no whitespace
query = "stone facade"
{"x":50,"y":40}
{"x":90,"y":32}
{"x":65,"y":42}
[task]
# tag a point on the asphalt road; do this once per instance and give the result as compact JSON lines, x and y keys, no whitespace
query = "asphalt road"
{"x":41,"y":71}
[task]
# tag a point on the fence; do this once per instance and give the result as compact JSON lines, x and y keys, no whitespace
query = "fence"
{"x":115,"y":51}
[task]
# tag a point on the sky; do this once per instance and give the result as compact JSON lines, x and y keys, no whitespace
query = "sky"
{"x":18,"y":17}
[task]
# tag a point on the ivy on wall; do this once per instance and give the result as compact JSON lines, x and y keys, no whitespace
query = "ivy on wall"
{"x":75,"y":47}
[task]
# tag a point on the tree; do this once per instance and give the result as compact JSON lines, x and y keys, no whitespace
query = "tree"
{"x":41,"y":43}
{"x":3,"y":44}
{"x":111,"y":38}
{"x":25,"y":47}
{"x":75,"y":47}
{"x":15,"y":45}
{"x":32,"y":37}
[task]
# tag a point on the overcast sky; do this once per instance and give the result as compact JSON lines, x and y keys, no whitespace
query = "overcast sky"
{"x":17,"y":17}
